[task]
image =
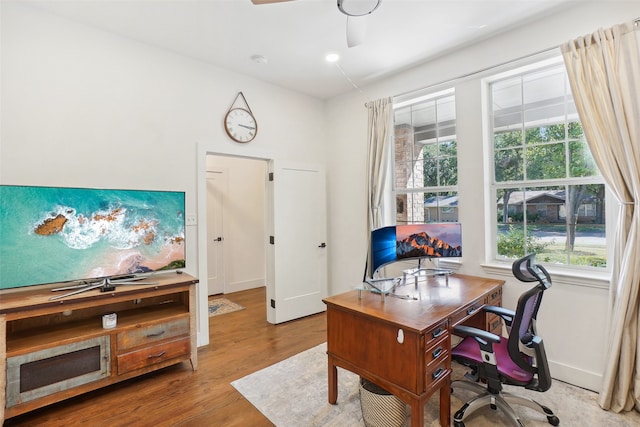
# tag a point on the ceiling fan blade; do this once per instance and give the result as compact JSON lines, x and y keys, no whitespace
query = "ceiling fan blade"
{"x":356,"y":30}
{"x":267,"y":1}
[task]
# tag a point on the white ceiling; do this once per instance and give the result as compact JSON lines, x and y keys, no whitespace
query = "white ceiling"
{"x":296,"y":35}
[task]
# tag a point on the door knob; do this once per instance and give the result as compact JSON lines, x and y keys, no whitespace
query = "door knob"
{"x":322,"y":245}
{"x":218,"y":239}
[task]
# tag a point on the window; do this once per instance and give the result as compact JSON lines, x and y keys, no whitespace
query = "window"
{"x":549,"y":195}
{"x":426,"y":160}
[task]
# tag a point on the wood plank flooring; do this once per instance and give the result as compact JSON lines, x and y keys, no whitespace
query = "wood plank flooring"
{"x":241,"y":342}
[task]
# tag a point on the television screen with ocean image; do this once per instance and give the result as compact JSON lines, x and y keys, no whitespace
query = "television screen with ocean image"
{"x":57,"y":234}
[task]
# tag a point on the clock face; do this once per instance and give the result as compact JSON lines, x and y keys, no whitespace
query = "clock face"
{"x":240,"y":125}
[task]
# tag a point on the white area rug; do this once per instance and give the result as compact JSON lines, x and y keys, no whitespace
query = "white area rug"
{"x":293,"y":393}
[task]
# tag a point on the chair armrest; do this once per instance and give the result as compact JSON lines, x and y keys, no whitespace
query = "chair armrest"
{"x":484,"y":338}
{"x":506,"y":314}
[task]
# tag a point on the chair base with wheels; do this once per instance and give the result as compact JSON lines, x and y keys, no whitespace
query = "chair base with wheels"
{"x":501,"y":400}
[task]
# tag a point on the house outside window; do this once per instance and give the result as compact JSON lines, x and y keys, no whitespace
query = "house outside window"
{"x":549,"y":195}
{"x":426,"y":159}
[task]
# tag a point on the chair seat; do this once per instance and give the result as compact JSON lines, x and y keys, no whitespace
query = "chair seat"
{"x":469,"y":350}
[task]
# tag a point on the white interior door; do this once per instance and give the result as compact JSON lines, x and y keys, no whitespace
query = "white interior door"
{"x":299,"y":249}
{"x":216,"y":189}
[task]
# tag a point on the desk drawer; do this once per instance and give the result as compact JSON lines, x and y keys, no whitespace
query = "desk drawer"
{"x":149,"y":334}
{"x":437,"y":372}
{"x":467,"y":311}
{"x":437,"y":351}
{"x":437,"y":332}
{"x":494,"y":324}
{"x":494,"y":298}
{"x":152,"y":355}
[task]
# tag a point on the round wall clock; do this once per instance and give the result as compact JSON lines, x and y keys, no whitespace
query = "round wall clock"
{"x":240,"y":125}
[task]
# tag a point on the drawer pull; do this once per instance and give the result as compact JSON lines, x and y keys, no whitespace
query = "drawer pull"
{"x":155,"y":334}
{"x":438,"y":373}
{"x":437,"y":352}
{"x":438,"y":332}
{"x":495,"y":324}
{"x":155,"y":356}
{"x":470,"y":310}
{"x":495,"y":295}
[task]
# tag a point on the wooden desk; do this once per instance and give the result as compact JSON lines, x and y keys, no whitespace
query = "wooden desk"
{"x":404,"y":345}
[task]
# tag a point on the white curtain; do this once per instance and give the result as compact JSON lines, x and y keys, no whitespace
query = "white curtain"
{"x":379,"y":135}
{"x":604,"y":72}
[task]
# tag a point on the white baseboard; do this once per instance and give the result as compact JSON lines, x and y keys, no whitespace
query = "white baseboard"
{"x":574,"y":376}
{"x":244,"y":285}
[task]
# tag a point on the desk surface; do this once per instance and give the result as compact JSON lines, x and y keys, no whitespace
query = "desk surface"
{"x":404,"y":345}
{"x":437,"y":299}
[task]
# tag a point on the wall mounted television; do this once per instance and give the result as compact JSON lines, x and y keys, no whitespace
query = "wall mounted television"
{"x":414,"y":242}
{"x":58,"y":234}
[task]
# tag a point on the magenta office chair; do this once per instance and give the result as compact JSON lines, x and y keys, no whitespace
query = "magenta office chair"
{"x":518,"y":359}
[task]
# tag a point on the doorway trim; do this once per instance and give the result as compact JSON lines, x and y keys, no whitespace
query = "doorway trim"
{"x":202,"y":151}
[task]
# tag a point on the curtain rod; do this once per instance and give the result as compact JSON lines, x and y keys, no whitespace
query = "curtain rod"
{"x":480,"y":71}
{"x":636,"y":23}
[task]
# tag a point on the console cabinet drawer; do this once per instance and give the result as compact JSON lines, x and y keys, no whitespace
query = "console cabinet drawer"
{"x":152,"y":355}
{"x":148,"y":334}
{"x":45,"y":372}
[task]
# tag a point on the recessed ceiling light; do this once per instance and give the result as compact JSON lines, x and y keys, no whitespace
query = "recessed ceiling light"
{"x":332,"y":57}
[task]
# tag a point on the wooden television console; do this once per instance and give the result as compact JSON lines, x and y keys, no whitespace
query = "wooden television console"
{"x":54,"y":350}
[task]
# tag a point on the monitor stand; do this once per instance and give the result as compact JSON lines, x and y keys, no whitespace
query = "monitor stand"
{"x":375,"y":284}
{"x":428,"y":272}
{"x":105,"y":285}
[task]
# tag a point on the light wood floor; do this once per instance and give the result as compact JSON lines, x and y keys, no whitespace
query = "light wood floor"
{"x":241,"y":342}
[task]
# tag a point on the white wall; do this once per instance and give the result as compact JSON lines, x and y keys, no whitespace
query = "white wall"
{"x":244,"y":228}
{"x":572,"y":318}
{"x":83,"y":107}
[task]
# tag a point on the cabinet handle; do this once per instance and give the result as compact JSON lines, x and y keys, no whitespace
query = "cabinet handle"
{"x":155,"y":356}
{"x":438,"y":332}
{"x":437,"y":352}
{"x":438,"y":373}
{"x":155,"y":334}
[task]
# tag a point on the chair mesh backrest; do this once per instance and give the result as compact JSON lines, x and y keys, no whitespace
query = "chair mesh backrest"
{"x":523,"y":331}
{"x":529,"y":312}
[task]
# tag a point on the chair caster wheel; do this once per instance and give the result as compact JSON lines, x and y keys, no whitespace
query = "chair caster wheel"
{"x":458,"y":424}
{"x":554,"y":421}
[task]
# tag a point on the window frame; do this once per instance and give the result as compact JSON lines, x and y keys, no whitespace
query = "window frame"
{"x":410,"y":101}
{"x":571,"y":274}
